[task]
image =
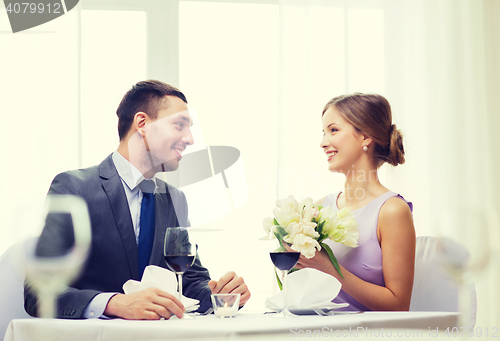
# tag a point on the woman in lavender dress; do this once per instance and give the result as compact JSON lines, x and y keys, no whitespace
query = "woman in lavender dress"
{"x":358,"y":138}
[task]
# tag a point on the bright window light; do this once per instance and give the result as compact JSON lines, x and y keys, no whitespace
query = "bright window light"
{"x":113,"y":59}
{"x":229,"y":73}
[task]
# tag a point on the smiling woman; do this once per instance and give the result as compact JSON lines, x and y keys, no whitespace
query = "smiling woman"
{"x":368,"y":119}
{"x":358,"y":138}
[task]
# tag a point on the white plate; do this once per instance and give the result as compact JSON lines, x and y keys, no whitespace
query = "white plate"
{"x":315,"y":311}
{"x":193,"y":308}
{"x":321,"y":312}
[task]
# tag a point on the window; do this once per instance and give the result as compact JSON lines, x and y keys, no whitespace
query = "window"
{"x":113,"y":56}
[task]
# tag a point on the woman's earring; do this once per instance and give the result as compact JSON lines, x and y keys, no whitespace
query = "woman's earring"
{"x":365,"y":148}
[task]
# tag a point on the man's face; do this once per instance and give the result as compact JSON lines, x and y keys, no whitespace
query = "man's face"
{"x":168,"y":135}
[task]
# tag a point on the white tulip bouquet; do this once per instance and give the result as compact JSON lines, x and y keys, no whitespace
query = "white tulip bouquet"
{"x":304,"y":226}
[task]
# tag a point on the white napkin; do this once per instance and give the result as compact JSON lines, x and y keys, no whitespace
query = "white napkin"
{"x":308,"y":289}
{"x":155,"y":276}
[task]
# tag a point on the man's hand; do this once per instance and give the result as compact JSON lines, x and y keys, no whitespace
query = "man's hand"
{"x":148,"y":304}
{"x":230,"y":283}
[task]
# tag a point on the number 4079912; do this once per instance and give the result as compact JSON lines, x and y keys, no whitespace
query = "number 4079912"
{"x":471,"y":332}
{"x":32,"y":7}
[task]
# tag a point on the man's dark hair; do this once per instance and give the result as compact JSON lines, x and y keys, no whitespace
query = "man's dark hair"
{"x":146,"y":96}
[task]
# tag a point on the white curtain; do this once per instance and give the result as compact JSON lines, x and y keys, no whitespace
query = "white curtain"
{"x":437,"y":63}
{"x":40,"y":117}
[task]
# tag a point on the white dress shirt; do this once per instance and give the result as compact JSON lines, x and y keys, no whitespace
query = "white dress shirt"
{"x":131,"y":178}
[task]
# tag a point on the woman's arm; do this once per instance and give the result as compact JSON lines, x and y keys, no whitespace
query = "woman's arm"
{"x":397,"y":240}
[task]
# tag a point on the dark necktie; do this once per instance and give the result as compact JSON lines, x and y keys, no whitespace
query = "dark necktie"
{"x":147,"y":224}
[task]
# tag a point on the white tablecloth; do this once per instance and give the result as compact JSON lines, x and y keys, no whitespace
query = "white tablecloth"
{"x":247,"y":326}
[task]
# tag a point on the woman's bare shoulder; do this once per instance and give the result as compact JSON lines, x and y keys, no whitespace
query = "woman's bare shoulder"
{"x":395,"y":206}
{"x":395,"y":215}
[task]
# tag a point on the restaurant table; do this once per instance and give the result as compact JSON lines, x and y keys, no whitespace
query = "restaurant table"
{"x":244,"y":326}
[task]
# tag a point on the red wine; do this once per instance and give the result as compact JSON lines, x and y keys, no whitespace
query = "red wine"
{"x":285,"y":260}
{"x":179,"y":264}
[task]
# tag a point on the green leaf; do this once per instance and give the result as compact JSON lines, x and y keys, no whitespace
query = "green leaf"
{"x":280,"y":233}
{"x":281,"y":248}
{"x":278,"y":280}
{"x":332,"y":258}
{"x":322,"y":237}
{"x":319,"y":228}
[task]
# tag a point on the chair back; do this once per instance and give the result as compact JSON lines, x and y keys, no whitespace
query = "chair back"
{"x":12,"y":273}
{"x":433,"y":288}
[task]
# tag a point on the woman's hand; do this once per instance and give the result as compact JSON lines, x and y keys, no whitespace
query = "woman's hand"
{"x":396,"y":235}
{"x":320,"y":262}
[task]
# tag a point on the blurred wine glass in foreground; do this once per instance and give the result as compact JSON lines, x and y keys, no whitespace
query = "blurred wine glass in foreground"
{"x":55,"y":258}
{"x":463,"y":250}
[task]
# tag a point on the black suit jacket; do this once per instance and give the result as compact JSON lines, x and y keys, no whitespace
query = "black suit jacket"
{"x":113,"y":257}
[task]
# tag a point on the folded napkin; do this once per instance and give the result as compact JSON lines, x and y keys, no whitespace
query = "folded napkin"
{"x":308,"y":289}
{"x":157,"y":277}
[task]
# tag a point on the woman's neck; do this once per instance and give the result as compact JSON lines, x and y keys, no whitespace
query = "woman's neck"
{"x":361,"y":186}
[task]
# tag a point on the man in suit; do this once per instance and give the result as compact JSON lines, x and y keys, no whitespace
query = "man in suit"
{"x":154,"y":129}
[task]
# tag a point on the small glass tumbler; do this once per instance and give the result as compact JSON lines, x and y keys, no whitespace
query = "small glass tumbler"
{"x":226,"y":305}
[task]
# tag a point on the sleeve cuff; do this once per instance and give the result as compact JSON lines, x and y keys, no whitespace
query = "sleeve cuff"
{"x":95,"y":309}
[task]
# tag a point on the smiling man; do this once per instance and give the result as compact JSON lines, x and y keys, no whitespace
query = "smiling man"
{"x":154,"y":126}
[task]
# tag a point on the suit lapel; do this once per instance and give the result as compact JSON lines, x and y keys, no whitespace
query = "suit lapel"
{"x":113,"y":187}
{"x":165,"y":217}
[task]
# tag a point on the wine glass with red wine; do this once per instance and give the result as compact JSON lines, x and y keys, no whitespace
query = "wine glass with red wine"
{"x":179,"y":252}
{"x":284,"y":261}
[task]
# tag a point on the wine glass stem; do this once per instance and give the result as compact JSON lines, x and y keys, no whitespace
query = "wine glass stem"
{"x":179,"y":276}
{"x":285,"y":305}
{"x":465,"y":302}
{"x":48,"y":304}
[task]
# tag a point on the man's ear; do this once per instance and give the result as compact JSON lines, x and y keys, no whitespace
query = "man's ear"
{"x":139,"y":123}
